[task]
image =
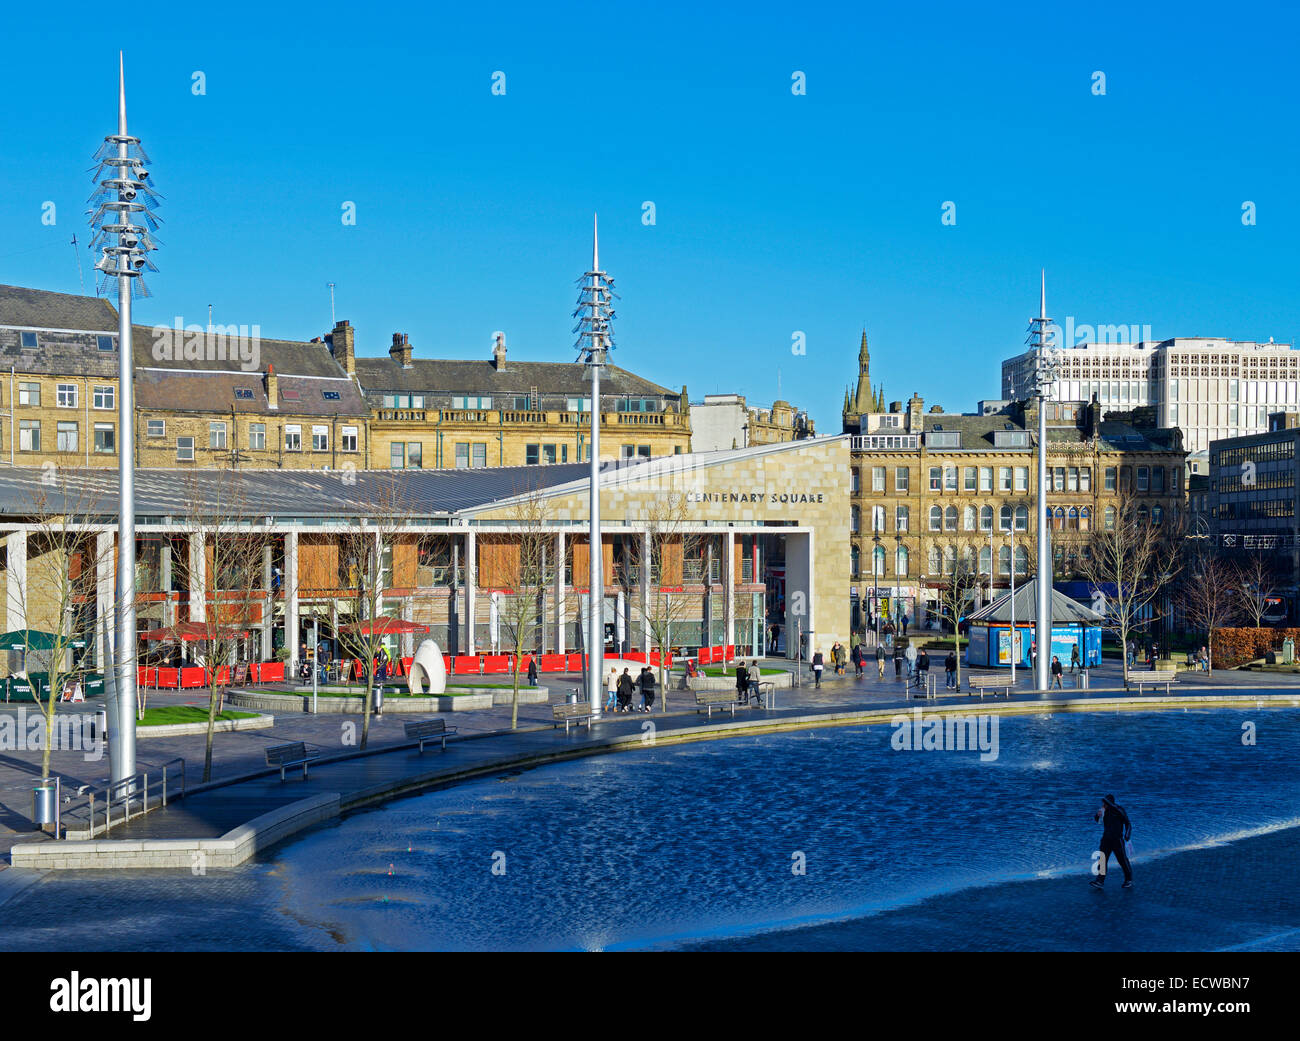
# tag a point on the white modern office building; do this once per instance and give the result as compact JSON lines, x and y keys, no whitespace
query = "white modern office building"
{"x":1211,"y":388}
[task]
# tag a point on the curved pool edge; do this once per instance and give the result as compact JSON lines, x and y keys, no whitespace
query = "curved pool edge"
{"x":270,"y":829}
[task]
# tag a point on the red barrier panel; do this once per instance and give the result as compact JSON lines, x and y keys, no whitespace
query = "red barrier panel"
{"x":358,"y":669}
{"x":706,"y":655}
{"x":656,"y":656}
{"x":193,"y":676}
{"x":406,"y":666}
{"x":731,"y":652}
{"x":637,"y":656}
{"x":465,"y":665}
{"x":446,"y":664}
{"x":551,"y":663}
{"x":575,"y":663}
{"x":523,"y":665}
{"x":270,"y":672}
{"x":223,"y":676}
{"x":495,"y":664}
{"x":147,"y":676}
{"x":167,"y":678}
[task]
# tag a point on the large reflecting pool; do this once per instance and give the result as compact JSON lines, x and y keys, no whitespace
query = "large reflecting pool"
{"x":813,"y":839}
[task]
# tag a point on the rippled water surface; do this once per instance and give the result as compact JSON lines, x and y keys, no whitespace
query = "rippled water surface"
{"x":677,"y":845}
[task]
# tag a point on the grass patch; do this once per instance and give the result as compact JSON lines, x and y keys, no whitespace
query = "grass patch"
{"x":170,"y":715}
{"x":360,"y":692}
{"x":716,"y":671}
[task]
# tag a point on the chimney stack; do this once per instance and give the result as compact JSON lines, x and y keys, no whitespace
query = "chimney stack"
{"x":499,"y":351}
{"x":272,"y":387}
{"x":343,"y":346}
{"x":400,"y":351}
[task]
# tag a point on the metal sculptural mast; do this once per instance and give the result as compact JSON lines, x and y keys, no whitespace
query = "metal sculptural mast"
{"x":123,"y":222}
{"x":428,"y":667}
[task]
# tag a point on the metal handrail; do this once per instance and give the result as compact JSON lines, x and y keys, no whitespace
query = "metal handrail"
{"x":129,"y":789}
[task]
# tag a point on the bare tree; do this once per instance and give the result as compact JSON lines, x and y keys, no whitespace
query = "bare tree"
{"x":655,"y":581}
{"x":1207,"y":597}
{"x":1136,"y":559}
{"x":362,"y":549}
{"x":1254,"y":580}
{"x":56,"y":589}
{"x":517,"y":567}
{"x":223,"y":572}
{"x":956,"y":597}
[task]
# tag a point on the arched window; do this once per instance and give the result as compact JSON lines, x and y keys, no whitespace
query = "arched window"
{"x":1157,"y":514}
{"x":1022,"y":518}
{"x":950,"y":559}
{"x":855,"y":560}
{"x":1143,"y":517}
{"x":968,"y":558}
{"x":853,"y":481}
{"x":879,"y":560}
{"x":950,"y":519}
{"x":936,"y":518}
{"x":985,"y":560}
{"x":1004,"y":519}
{"x":855,"y":519}
{"x":1072,"y":519}
{"x":1004,"y":560}
{"x":968,"y":518}
{"x":986,"y":518}
{"x":936,"y":560}
{"x":1022,"y":560}
{"x":1109,"y":518}
{"x":900,"y":561}
{"x":1085,"y":519}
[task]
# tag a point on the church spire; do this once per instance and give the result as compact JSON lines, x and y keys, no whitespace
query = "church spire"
{"x":864,"y":400}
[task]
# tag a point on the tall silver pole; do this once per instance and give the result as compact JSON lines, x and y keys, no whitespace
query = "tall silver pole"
{"x":1011,"y":538}
{"x":1043,"y":622}
{"x":123,"y":764}
{"x":596,"y":556}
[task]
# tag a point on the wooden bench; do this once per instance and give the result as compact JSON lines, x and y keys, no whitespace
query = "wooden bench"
{"x":572,"y":712}
{"x":428,"y":730}
{"x":296,"y":753}
{"x":708,"y":700}
{"x":983,"y":683}
{"x":1155,"y":678}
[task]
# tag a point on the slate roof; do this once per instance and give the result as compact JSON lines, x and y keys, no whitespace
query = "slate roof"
{"x":277,"y":493}
{"x":1064,"y":610}
{"x":453,"y":376}
{"x":187,"y":391}
{"x":39,"y":309}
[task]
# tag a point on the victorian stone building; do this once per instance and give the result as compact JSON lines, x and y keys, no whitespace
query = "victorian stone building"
{"x":930,"y":489}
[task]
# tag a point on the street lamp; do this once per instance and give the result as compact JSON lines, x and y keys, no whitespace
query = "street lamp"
{"x":122,"y":222}
{"x":898,"y":589}
{"x":875,"y":581}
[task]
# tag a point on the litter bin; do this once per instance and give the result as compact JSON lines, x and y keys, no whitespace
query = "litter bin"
{"x":379,"y":700}
{"x":1083,"y":679}
{"x":44,"y":800}
{"x":1288,"y":651}
{"x":572,"y":697}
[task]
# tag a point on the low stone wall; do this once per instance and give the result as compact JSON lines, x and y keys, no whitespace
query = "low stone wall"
{"x":728,"y":682}
{"x":527,"y":696}
{"x":232,"y":849}
{"x":290,"y":703}
{"x":220,"y":726}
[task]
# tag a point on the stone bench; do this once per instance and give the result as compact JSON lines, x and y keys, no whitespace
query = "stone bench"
{"x":295,"y":753}
{"x":429,"y":730}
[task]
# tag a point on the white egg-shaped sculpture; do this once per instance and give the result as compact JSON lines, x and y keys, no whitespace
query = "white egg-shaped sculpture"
{"x":427,"y":668}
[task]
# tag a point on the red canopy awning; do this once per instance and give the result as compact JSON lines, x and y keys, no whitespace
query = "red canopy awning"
{"x":194,"y":632}
{"x":384,"y":627}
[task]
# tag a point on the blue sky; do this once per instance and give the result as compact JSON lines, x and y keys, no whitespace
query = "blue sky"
{"x":775,"y":213}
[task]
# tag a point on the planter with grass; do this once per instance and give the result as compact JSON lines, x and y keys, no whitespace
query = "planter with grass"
{"x":348,"y":701}
{"x":179,"y":720}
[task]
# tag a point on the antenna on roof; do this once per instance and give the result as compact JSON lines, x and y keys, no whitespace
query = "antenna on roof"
{"x":331,"y":285}
{"x":80,"y":277}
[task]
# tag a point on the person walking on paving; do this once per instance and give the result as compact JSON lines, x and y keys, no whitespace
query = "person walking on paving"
{"x":532,"y":672}
{"x":857,"y":660}
{"x":898,"y":661}
{"x":753,"y":683}
{"x":923,"y":669}
{"x":1116,"y":830}
{"x":818,"y":663}
{"x":909,"y":656}
{"x":611,"y":690}
{"x":950,"y":671}
{"x":1074,"y":659}
{"x":625,"y":689}
{"x":905,"y":620}
{"x":1056,"y":674}
{"x":647,"y":683}
{"x":742,"y":683}
{"x":880,"y":662}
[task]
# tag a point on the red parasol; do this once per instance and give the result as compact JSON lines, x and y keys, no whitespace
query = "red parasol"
{"x":194,"y":632}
